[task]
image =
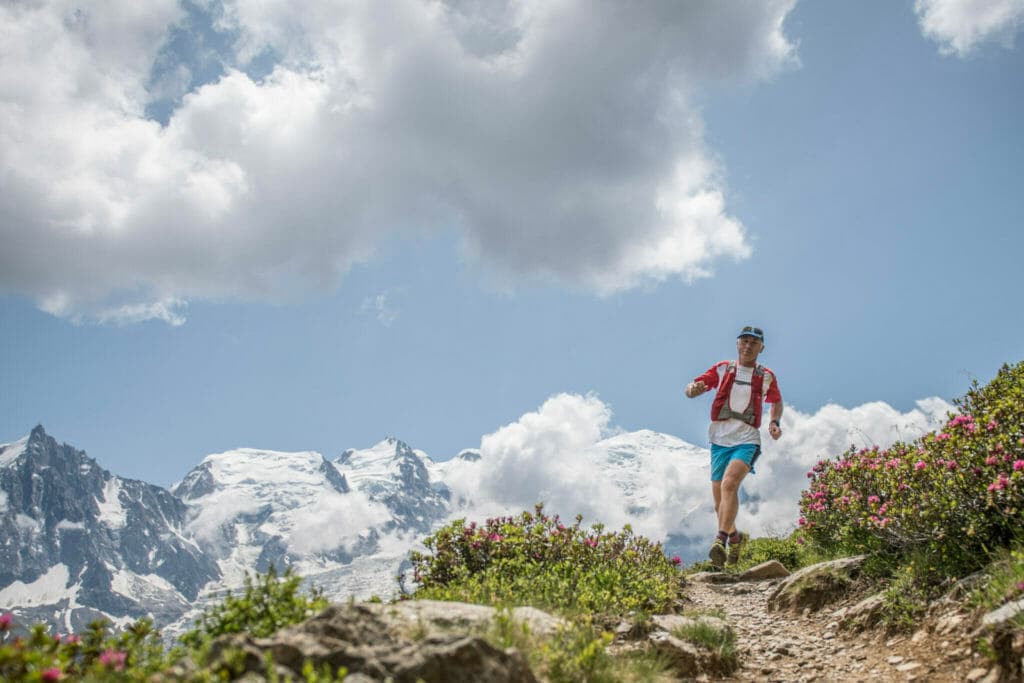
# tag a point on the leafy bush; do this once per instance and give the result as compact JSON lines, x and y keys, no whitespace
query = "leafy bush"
{"x":947,"y":498}
{"x":1003,"y":581}
{"x":269,"y":603}
{"x":138,"y":653}
{"x":534,"y":559}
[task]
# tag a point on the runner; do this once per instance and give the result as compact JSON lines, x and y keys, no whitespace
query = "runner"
{"x":743,"y":386}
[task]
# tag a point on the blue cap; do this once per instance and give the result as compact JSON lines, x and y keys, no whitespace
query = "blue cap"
{"x":749,"y":331}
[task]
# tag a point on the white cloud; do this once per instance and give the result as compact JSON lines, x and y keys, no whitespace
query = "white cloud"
{"x":559,"y":138}
{"x":334,"y":521}
{"x":567,"y":455}
{"x":960,"y":26}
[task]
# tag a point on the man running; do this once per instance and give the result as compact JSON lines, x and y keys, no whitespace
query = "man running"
{"x":743,"y":386}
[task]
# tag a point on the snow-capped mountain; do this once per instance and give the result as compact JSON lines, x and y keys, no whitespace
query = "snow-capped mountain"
{"x":80,"y":542}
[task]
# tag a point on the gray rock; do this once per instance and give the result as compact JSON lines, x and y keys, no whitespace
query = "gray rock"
{"x":772,"y":569}
{"x":357,"y":638}
{"x":813,"y":587}
{"x":864,"y":614}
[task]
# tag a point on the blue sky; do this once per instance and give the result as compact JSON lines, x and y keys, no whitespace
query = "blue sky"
{"x":309,"y":231}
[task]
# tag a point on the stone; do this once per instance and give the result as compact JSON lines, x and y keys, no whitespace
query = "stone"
{"x":772,"y":569}
{"x":714,"y":577}
{"x":865,"y":614}
{"x":908,"y":666}
{"x":976,"y":674}
{"x":894,"y":660}
{"x":813,"y":587}
{"x":359,"y":638}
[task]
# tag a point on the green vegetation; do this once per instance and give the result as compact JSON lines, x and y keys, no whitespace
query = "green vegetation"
{"x":534,"y":559}
{"x":269,"y":602}
{"x":933,"y":510}
{"x":720,"y":641}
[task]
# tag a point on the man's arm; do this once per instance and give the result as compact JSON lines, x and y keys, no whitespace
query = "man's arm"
{"x":774,"y":427}
{"x":706,"y":382}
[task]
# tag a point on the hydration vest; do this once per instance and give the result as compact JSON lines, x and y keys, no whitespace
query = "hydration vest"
{"x":720,"y":409}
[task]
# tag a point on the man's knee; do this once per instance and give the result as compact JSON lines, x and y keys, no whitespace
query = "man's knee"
{"x":731,"y":483}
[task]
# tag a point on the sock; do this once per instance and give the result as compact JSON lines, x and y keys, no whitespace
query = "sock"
{"x":735,"y":537}
{"x":723,"y":536}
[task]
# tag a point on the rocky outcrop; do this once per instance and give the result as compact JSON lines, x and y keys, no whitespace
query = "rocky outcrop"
{"x":815,"y":586}
{"x":357,"y":638}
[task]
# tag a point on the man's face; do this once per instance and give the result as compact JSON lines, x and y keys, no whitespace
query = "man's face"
{"x":748,"y":347}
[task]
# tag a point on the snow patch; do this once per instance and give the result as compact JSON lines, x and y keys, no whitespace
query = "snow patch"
{"x":140,"y":587}
{"x":111,"y":512}
{"x":3,"y":501}
{"x":26,"y":523}
{"x":48,"y":589}
{"x":9,"y":452}
{"x":65,"y":524}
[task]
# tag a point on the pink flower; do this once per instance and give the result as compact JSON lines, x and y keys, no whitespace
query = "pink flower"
{"x":1020,"y":585}
{"x":903,"y":487}
{"x":494,"y":537}
{"x":113,"y":658}
{"x":991,"y":460}
{"x":1018,"y":465}
{"x":800,"y":540}
{"x":874,"y":499}
{"x":810,"y":475}
{"x":676,"y":560}
{"x":991,"y":426}
{"x":920,"y":465}
{"x":5,"y":621}
{"x":941,"y":436}
{"x":951,"y":465}
{"x":801,"y":521}
{"x":51,"y":674}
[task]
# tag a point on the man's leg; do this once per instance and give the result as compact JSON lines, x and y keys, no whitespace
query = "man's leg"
{"x":727,"y":495}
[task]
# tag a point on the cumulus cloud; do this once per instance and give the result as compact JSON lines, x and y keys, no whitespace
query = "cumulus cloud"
{"x":558,"y":138}
{"x":960,"y":26}
{"x":569,"y":456}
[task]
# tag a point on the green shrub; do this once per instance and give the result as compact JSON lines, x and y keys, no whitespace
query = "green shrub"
{"x":268,"y":603}
{"x":138,"y":653}
{"x":947,"y":499}
{"x":1003,"y":581}
{"x":720,"y":641}
{"x":534,"y":559}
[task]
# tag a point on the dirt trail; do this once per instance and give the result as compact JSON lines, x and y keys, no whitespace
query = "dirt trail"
{"x":785,"y":647}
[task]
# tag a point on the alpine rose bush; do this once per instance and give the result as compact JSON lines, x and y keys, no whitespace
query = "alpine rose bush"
{"x":535,"y":559}
{"x":949,"y":496}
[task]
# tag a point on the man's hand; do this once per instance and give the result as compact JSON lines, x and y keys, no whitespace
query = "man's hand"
{"x":695,"y":389}
{"x":775,"y":431}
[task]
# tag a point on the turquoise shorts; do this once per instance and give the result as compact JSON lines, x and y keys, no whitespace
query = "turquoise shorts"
{"x":721,"y":456}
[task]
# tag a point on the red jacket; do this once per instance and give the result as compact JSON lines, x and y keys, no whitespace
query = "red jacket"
{"x":722,"y":375}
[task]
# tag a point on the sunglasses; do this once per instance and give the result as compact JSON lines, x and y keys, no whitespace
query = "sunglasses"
{"x":754,"y":330}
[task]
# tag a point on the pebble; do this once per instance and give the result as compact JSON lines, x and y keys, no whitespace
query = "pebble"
{"x":894,"y":660}
{"x":976,"y":674}
{"x":908,"y":666}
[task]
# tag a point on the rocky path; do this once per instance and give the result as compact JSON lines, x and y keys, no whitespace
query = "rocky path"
{"x":776,"y":646}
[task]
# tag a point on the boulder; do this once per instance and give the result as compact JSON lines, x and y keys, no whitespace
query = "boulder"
{"x":772,"y":569}
{"x":999,"y":628}
{"x":864,"y":614}
{"x":358,"y":638}
{"x":815,"y":586}
{"x":690,"y":658}
{"x":416,"y":617}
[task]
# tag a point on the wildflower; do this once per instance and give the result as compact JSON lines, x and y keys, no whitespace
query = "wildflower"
{"x":991,"y":426}
{"x":113,"y":658}
{"x":800,"y":540}
{"x":494,"y":537}
{"x":676,"y":560}
{"x":1018,"y":465}
{"x":991,"y":460}
{"x":874,"y":499}
{"x":810,"y":475}
{"x":951,"y":465}
{"x":920,"y":465}
{"x":801,"y":521}
{"x":1020,"y":585}
{"x":942,"y":436}
{"x":5,"y":621}
{"x":51,"y":674}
